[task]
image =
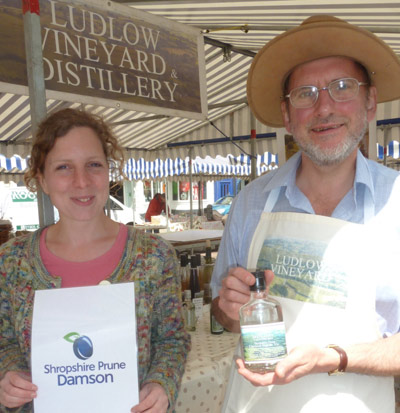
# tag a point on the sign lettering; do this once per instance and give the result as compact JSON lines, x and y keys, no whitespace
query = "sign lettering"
{"x":124,"y":57}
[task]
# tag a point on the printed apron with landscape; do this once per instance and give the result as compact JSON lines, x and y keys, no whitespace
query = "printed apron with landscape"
{"x":326,"y":286}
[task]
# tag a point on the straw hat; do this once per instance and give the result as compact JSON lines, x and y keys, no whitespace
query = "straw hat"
{"x":317,"y":37}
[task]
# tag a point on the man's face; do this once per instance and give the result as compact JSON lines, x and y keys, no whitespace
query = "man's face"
{"x":329,"y":131}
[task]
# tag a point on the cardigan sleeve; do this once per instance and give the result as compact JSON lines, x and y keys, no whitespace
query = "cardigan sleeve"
{"x":12,"y":358}
{"x":11,"y":314}
{"x":170,"y":342}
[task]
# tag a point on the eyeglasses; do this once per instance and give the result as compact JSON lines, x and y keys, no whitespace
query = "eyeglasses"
{"x":340,"y":90}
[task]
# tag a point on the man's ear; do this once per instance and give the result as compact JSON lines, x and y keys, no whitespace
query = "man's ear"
{"x":371,"y":103}
{"x":285,"y":115}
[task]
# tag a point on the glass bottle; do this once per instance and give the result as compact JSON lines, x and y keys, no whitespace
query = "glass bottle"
{"x":184,"y":274}
{"x":207,"y":274}
{"x":215,"y":326}
{"x":189,"y":313}
{"x":200,"y":270}
{"x":194,"y":277}
{"x":262,"y":329}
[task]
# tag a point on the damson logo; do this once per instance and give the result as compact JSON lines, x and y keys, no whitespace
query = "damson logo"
{"x":83,"y":346}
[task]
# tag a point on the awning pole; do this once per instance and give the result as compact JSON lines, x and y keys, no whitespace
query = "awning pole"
{"x":231,"y":135}
{"x":199,"y":191}
{"x":133,"y":185}
{"x":166,"y":202}
{"x":37,"y":91}
{"x":386,"y":130}
{"x":190,"y":187}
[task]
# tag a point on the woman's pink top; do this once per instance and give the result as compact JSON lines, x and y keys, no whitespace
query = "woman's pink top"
{"x":78,"y":274}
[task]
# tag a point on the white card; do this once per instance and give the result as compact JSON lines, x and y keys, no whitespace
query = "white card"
{"x":84,"y":349}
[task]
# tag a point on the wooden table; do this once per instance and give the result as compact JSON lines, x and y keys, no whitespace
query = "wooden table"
{"x":207,"y":369}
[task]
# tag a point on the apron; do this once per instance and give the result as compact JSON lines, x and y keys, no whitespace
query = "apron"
{"x":324,"y":282}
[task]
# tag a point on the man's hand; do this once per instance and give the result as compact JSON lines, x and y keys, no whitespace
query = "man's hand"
{"x":16,"y":389}
{"x":302,"y":360}
{"x":234,"y":293}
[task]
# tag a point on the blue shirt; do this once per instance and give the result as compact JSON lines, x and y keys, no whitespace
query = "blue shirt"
{"x":247,"y":207}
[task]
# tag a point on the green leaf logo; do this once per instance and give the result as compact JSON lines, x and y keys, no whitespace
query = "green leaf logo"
{"x":71,"y":337}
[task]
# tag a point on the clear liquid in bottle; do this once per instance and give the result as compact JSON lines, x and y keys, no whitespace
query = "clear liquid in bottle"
{"x":262,"y":328}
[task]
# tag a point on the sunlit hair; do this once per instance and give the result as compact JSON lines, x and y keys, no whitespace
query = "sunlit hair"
{"x":57,"y":125}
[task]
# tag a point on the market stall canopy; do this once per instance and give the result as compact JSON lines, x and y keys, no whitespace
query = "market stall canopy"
{"x":233,"y":31}
{"x":201,"y":169}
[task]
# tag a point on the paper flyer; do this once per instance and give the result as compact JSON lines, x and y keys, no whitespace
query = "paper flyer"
{"x":84,"y":349}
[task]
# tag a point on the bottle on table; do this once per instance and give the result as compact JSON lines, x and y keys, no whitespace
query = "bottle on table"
{"x":215,"y":326}
{"x":200,"y":270}
{"x":194,"y":283}
{"x":184,"y":272}
{"x":262,"y":328}
{"x":207,"y":273}
{"x":189,"y":313}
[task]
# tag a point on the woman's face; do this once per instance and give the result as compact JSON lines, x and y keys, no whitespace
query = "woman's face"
{"x":76,"y":175}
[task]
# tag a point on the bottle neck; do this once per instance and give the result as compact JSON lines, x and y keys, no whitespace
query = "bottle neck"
{"x":208,"y":257}
{"x":254,"y":295}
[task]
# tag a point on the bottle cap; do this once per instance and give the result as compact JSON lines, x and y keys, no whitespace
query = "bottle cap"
{"x":259,"y":284}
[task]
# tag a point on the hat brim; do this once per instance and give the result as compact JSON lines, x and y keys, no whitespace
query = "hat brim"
{"x":315,"y":40}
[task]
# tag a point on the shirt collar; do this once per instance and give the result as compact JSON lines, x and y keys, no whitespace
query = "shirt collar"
{"x":363,"y":175}
{"x":285,"y":176}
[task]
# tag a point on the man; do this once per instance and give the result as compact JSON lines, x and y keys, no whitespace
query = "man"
{"x":320,"y":222}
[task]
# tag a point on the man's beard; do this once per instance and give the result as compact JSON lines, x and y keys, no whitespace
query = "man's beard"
{"x":336,"y":155}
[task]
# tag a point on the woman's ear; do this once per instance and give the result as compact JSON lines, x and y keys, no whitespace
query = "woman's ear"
{"x":42,"y":181}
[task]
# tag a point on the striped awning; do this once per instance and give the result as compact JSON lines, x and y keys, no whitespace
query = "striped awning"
{"x":203,"y":169}
{"x":233,"y":32}
{"x":392,"y":150}
{"x":13,"y":164}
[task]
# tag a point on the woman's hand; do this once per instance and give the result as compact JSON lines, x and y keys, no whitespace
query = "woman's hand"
{"x":153,"y":399}
{"x":16,"y":389}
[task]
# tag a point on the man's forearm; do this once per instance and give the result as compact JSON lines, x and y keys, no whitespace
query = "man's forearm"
{"x":380,"y":358}
{"x":223,"y":319}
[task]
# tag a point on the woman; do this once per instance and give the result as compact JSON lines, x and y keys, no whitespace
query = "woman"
{"x":71,"y":160}
{"x":156,"y":206}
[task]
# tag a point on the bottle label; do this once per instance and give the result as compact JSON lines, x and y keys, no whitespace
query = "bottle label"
{"x":264,"y":342}
{"x":216,"y":327}
{"x":189,"y":316}
{"x":198,"y":305}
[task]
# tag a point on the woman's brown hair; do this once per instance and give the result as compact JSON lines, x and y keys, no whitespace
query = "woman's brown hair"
{"x":57,"y":125}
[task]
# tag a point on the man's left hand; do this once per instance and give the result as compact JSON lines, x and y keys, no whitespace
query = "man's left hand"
{"x":302,"y":360}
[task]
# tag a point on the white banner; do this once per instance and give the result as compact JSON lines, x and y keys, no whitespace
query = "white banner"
{"x":84,"y":349}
